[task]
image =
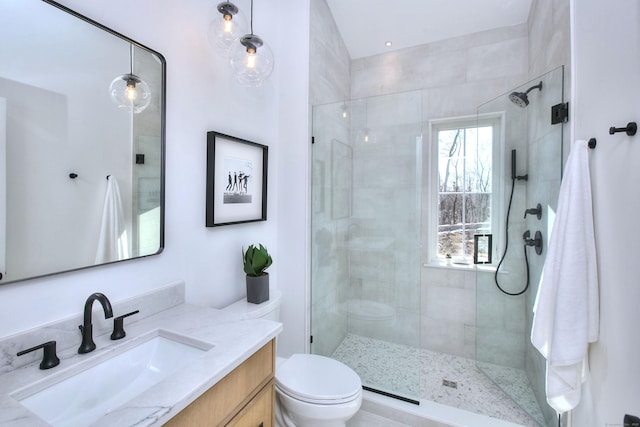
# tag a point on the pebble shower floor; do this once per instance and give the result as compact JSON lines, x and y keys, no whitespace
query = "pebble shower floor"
{"x":381,"y":362}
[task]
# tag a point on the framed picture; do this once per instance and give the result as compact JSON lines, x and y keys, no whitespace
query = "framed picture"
{"x":236,"y":180}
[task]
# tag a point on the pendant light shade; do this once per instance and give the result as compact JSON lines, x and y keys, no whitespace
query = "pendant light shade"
{"x":228,"y":26}
{"x":366,"y":135}
{"x":129,"y":91}
{"x":251,"y":58}
{"x":344,"y":111}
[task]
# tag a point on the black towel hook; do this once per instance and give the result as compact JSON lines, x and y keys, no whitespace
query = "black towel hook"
{"x":630,"y":130}
{"x":73,"y":175}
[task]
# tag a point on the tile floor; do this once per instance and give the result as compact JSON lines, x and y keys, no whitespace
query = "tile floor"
{"x":379,"y":363}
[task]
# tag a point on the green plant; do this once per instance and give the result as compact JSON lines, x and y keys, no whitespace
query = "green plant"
{"x":256,"y":260}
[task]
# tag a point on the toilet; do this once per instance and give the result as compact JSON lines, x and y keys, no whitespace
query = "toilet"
{"x":311,"y":390}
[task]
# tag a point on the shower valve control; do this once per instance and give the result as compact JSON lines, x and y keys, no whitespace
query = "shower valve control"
{"x":537,"y":211}
{"x":536,"y":242}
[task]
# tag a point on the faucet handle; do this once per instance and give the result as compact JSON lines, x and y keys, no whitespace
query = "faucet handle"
{"x":49,"y":358}
{"x":537,"y":211}
{"x":118,"y":326}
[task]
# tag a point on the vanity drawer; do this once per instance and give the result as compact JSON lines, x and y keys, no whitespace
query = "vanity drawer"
{"x":218,"y":405}
{"x":258,"y":412}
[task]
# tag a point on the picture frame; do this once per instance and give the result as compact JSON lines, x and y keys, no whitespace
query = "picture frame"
{"x":236,"y":180}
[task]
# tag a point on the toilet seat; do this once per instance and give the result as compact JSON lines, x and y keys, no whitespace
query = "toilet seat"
{"x":317,"y":379}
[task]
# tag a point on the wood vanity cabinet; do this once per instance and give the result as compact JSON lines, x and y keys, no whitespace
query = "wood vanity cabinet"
{"x":243,"y":398}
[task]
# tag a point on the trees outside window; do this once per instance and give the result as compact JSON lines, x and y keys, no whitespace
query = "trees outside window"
{"x":465,"y":152}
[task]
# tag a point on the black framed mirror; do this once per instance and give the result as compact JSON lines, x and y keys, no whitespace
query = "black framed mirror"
{"x":83,"y":177}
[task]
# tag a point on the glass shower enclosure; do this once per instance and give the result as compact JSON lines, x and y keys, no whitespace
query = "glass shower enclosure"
{"x":366,"y":252}
{"x":503,"y":322}
{"x":397,"y":200}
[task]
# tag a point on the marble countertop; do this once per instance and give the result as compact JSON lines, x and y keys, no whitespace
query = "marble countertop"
{"x":234,"y":340}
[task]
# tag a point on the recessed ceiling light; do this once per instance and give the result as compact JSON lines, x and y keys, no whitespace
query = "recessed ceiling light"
{"x":388,"y":43}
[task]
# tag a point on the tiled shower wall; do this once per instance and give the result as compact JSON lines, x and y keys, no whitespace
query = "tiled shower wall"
{"x":454,"y":76}
{"x":329,"y":76}
{"x":330,"y":62}
{"x":384,"y":251}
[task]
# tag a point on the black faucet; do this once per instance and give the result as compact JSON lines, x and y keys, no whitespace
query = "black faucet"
{"x":537,"y":211}
{"x":87,"y":329}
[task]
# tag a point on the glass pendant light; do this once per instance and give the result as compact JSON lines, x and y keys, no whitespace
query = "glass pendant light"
{"x":129,"y":91}
{"x":366,"y":135}
{"x":227,"y":27}
{"x":344,"y":110}
{"x":251,"y":58}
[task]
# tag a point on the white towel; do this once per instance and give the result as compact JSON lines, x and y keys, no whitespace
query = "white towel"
{"x":566,"y":311}
{"x":112,"y":243}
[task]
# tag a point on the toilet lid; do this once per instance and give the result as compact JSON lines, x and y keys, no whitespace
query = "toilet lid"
{"x":318,"y":379}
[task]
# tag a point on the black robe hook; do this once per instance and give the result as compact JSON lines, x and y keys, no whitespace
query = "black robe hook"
{"x":630,"y":129}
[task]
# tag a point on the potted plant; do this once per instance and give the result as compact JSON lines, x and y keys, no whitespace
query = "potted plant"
{"x":255,"y":261}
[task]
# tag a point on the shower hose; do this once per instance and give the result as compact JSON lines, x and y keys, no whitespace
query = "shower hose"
{"x":506,"y":248}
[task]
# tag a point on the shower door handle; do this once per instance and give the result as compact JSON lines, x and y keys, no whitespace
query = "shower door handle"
{"x":482,"y":248}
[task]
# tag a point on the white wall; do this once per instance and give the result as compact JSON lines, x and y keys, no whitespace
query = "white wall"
{"x":606,"y":92}
{"x":202,"y":96}
{"x":294,"y":179}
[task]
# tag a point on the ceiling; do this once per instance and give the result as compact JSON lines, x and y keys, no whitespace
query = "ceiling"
{"x":365,"y":25}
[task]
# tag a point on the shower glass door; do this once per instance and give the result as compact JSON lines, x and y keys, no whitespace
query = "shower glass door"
{"x":503,"y":348}
{"x":365,"y":274}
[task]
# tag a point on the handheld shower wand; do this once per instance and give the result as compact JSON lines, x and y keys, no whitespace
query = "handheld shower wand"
{"x":514,"y":177}
{"x":513,"y":168}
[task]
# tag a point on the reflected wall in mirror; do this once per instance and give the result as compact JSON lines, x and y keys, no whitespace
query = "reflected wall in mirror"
{"x":61,"y":136}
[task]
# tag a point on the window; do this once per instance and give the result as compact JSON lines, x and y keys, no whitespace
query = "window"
{"x":465,"y":173}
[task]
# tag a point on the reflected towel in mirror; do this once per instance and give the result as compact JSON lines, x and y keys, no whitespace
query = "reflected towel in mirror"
{"x":112,"y":243}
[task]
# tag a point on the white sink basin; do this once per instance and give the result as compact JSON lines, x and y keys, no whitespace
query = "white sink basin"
{"x":90,"y":390}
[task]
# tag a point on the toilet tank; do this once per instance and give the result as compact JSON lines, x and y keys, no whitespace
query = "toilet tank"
{"x":269,"y":309}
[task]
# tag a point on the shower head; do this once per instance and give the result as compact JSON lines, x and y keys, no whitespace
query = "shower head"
{"x":520,"y":98}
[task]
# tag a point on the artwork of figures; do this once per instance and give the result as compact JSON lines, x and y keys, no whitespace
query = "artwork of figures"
{"x":236,"y":180}
{"x":239,"y":178}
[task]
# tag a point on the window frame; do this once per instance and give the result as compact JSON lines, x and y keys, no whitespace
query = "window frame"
{"x":496,"y":120}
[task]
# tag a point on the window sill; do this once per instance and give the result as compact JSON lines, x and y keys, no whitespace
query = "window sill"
{"x":460,"y":266}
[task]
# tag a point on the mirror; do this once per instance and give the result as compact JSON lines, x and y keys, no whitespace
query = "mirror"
{"x":62,"y":136}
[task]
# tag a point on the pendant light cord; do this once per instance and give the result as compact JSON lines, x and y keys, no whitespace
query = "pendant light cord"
{"x":131,"y":58}
{"x":251,"y":17}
